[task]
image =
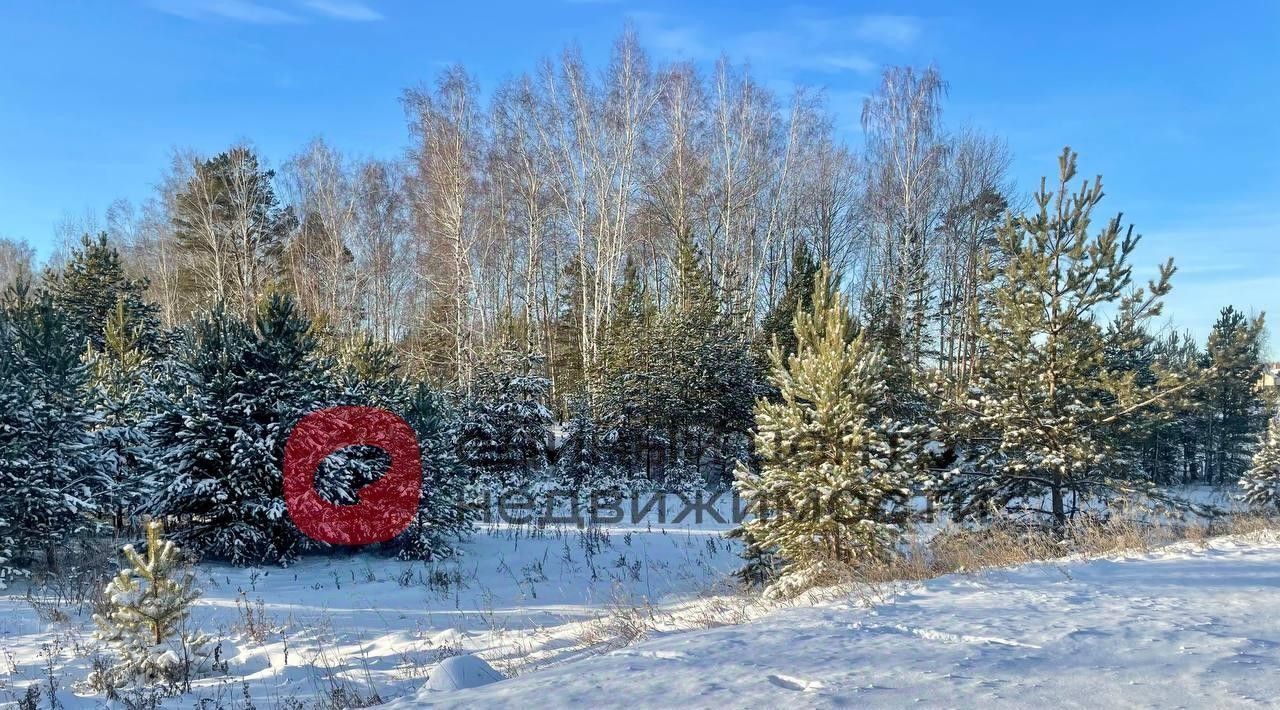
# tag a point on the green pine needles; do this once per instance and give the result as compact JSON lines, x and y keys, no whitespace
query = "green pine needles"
{"x":836,"y":472}
{"x":147,"y":606}
{"x":1261,"y":483}
{"x":1047,"y":427}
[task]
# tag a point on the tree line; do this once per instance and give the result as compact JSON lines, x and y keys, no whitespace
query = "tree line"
{"x":595,"y":277}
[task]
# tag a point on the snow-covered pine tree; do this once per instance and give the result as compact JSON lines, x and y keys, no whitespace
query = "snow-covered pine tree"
{"x":147,"y":605}
{"x":447,"y":511}
{"x":93,"y":285}
{"x":1044,"y":419}
{"x":506,"y":421}
{"x":237,"y":389}
{"x":835,"y":473}
{"x":118,"y":372}
{"x":1234,"y":410}
{"x":1261,"y":483}
{"x":583,"y":464}
{"x":50,"y":473}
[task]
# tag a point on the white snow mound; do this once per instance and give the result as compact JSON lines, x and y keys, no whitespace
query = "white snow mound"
{"x":462,"y":672}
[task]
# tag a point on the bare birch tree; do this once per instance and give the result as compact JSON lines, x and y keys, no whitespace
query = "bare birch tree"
{"x":446,"y":125}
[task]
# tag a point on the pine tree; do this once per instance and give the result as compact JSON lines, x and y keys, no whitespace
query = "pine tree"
{"x":93,"y":286}
{"x":1173,"y":449}
{"x":147,"y":605}
{"x":236,"y":391}
{"x":797,"y":294}
{"x":1234,"y":409}
{"x":1261,"y":483}
{"x":50,"y":472}
{"x":506,"y":420}
{"x":836,"y":472}
{"x":119,"y":372}
{"x":1045,"y":419}
{"x":229,"y":224}
{"x":447,"y":513}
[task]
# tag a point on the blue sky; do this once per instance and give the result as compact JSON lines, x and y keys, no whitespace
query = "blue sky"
{"x":1175,"y":102}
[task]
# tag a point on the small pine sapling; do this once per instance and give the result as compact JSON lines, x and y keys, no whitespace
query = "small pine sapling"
{"x":147,"y":606}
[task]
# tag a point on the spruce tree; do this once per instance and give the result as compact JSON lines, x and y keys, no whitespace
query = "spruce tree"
{"x":51,"y":474}
{"x":369,"y":375}
{"x":236,"y":390}
{"x":883,"y":329}
{"x":836,"y":473}
{"x":1045,"y":421}
{"x":447,"y":512}
{"x":583,"y":463}
{"x":567,"y":361}
{"x":797,"y":294}
{"x":1261,"y":483}
{"x":625,"y":389}
{"x":703,"y":377}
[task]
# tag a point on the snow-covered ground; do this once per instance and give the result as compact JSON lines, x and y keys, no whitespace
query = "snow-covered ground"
{"x":647,"y":616}
{"x":1187,"y":626}
{"x":368,"y":627}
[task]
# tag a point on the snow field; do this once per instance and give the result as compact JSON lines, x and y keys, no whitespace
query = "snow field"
{"x":1185,"y":626}
{"x":371,"y":628}
{"x":647,"y":615}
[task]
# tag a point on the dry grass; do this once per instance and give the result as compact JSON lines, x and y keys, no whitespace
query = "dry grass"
{"x":623,"y":624}
{"x":1001,"y":543}
{"x":1008,"y":543}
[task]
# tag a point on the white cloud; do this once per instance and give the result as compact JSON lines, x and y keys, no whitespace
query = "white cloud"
{"x":344,"y":10}
{"x":796,"y":43}
{"x":234,"y":10}
{"x":897,"y":31}
{"x":263,"y":13}
{"x":848,"y":62}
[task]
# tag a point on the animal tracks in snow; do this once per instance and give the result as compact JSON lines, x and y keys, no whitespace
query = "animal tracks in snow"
{"x":661,"y":655}
{"x":793,"y":683}
{"x":935,"y":635}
